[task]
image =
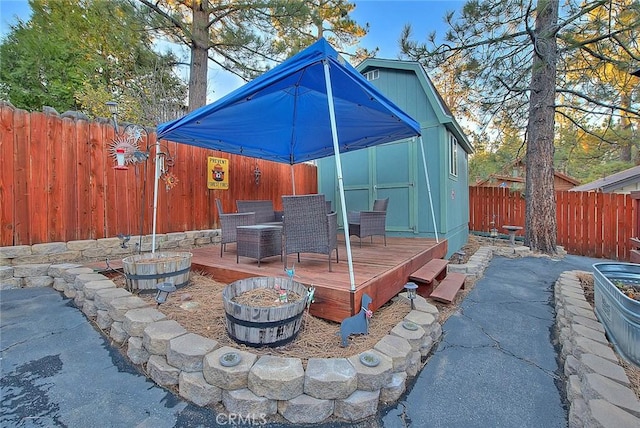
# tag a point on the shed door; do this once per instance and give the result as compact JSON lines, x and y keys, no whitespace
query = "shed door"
{"x":380,"y":172}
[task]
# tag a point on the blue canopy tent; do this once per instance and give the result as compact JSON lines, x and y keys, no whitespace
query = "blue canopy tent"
{"x":311,"y":106}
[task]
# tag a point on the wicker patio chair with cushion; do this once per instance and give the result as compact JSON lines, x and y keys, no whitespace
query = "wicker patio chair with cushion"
{"x":369,"y":223}
{"x":230,"y":222}
{"x":308,"y":228}
{"x":263,"y":209}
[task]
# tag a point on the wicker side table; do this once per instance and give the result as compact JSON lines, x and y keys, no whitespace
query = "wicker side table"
{"x":259,"y":241}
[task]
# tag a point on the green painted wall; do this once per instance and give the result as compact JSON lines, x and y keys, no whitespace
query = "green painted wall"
{"x":396,"y":170}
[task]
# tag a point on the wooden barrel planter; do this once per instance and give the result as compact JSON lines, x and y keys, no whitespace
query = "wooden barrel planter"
{"x":144,"y":271}
{"x":263,"y":325}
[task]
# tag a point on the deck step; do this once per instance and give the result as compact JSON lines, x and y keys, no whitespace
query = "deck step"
{"x":448,"y":288}
{"x":431,"y":271}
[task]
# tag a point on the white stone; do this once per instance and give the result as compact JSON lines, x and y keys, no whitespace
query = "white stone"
{"x":156,"y":336}
{"x":277,"y":378}
{"x":136,"y":320}
{"x":243,"y":402}
{"x":228,"y":378}
{"x":15,"y":251}
{"x":372,"y":378}
{"x":136,"y":351}
{"x":85,"y":278}
{"x":359,"y":405}
{"x":6,"y":272}
{"x":82,"y":245}
{"x":330,"y":378}
{"x":194,"y":387}
{"x":606,"y":415}
{"x":397,"y":348}
{"x":117,"y":333}
{"x":49,"y":248}
{"x":162,"y":373}
{"x":187,"y":352}
{"x":23,"y":271}
{"x":38,"y":281}
{"x":103,"y":320}
{"x":395,"y":388}
{"x":90,"y":288}
{"x":104,"y":296}
{"x":118,"y":307}
{"x":305,"y":409}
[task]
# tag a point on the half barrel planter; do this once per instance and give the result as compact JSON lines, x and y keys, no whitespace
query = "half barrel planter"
{"x":257,"y":326}
{"x":618,"y":313}
{"x":143,"y":272}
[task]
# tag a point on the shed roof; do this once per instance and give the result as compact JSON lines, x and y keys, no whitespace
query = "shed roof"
{"x":611,"y":182}
{"x":443,"y":113}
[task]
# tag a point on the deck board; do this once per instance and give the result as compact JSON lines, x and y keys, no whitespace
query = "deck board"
{"x":379,"y":271}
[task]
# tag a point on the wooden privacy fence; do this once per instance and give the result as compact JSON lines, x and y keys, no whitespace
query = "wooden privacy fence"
{"x":589,"y":223}
{"x":57,"y":183}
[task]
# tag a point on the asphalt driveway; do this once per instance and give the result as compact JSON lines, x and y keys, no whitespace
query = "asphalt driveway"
{"x":495,"y":365}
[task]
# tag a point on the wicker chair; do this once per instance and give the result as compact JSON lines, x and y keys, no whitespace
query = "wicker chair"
{"x":308,"y":228}
{"x":369,"y":223}
{"x":229,"y":223}
{"x":263,"y":209}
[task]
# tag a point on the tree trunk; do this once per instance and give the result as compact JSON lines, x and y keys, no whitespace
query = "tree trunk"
{"x":541,"y":225}
{"x":199,"y":58}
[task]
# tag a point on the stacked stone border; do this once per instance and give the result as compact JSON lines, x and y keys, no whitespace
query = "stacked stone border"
{"x":598,"y":389}
{"x":343,"y":388}
{"x":93,"y":250}
{"x":258,"y":386}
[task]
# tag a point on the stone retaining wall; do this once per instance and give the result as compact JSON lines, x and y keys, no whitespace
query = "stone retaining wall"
{"x":344,"y":388}
{"x":26,"y":265}
{"x":338,"y":387}
{"x":598,"y":389}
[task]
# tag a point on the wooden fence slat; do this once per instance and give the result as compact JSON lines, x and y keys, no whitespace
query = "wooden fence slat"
{"x":75,"y":193}
{"x":589,"y":223}
{"x":610,"y":222}
{"x":22,"y":225}
{"x":71,"y":132}
{"x":561,"y":217}
{"x":7,"y":178}
{"x":598,"y":214}
{"x":624,"y":232}
{"x":90,"y":200}
{"x":55,"y":226}
{"x":38,"y":177}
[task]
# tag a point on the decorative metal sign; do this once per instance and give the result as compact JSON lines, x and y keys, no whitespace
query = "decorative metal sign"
{"x":218,"y":173}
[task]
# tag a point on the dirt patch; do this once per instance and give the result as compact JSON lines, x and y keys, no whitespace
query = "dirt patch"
{"x":633,"y":372}
{"x":199,"y":308}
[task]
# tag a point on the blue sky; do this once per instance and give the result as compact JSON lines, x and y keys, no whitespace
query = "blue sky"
{"x":386,"y":19}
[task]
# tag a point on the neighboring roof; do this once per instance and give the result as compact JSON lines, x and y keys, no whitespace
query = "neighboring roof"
{"x":444,"y":114}
{"x":612,"y":182}
{"x":505,"y":177}
{"x":284,"y":115}
{"x":499,"y":177}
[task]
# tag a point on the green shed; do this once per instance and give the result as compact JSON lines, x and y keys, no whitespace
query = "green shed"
{"x":397,"y":170}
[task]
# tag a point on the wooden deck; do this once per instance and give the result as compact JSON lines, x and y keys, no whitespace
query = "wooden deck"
{"x":379,"y":271}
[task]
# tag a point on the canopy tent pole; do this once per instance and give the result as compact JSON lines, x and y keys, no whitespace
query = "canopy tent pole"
{"x":426,"y":175}
{"x":155,"y":196}
{"x":293,"y":180}
{"x":336,"y":149}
